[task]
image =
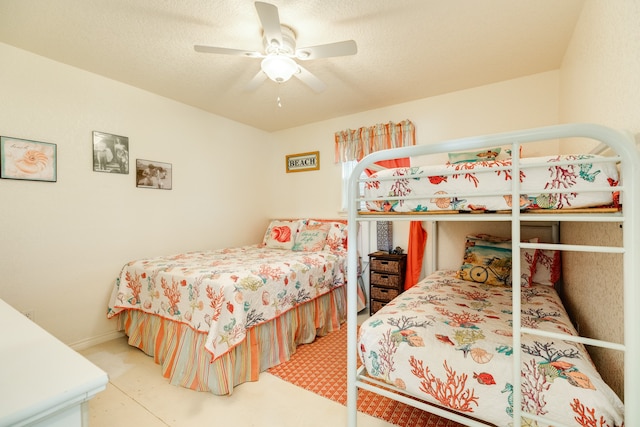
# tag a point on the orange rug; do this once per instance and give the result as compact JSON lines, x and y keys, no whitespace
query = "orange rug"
{"x":321,"y":367}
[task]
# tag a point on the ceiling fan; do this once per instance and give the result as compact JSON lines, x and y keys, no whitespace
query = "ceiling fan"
{"x":280,"y":52}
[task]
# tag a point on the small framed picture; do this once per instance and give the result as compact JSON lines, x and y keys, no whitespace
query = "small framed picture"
{"x":303,"y":162}
{"x":30,"y":160}
{"x":152,"y":174}
{"x":110,"y":153}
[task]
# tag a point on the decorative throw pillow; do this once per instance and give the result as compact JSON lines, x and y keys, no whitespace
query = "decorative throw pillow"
{"x":337,"y":237}
{"x":475,"y":156}
{"x":312,"y":237}
{"x":281,"y":234}
{"x":487,"y":259}
{"x":548,"y":267}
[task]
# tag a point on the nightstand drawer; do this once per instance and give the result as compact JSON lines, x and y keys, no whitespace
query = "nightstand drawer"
{"x":389,"y":280}
{"x":383,"y":294}
{"x":386,"y":266}
{"x":376,"y":305}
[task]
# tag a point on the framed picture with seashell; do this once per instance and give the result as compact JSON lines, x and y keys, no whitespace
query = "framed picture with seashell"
{"x":26,"y":159}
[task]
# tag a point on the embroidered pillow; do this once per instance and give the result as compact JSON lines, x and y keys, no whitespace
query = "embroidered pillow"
{"x":497,"y":153}
{"x":547,"y":268}
{"x":312,"y":237}
{"x":475,"y":156}
{"x":487,"y":259}
{"x":281,"y":234}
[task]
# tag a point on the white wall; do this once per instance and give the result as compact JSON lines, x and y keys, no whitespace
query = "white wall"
{"x":600,"y":83}
{"x":600,"y":75}
{"x":62,"y":244}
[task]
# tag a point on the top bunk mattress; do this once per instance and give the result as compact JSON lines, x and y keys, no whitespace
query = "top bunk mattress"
{"x":581,"y":181}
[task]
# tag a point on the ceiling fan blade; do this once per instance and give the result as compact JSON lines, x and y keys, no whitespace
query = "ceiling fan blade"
{"x":256,"y":81}
{"x":310,"y":80}
{"x":227,"y":51}
{"x":270,"y":20}
{"x":345,"y":48}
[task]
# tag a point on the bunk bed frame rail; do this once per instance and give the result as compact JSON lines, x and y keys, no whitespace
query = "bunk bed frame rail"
{"x":624,"y":147}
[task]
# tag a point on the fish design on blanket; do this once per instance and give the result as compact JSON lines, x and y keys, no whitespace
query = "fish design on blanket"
{"x":484,"y":378}
{"x":437,"y":179}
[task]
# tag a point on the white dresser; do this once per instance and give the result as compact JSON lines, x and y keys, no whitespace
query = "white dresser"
{"x":43,"y":382}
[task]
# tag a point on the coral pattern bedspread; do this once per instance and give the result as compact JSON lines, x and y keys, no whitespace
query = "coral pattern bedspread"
{"x":448,"y":342}
{"x":225,"y":292}
{"x":439,"y":188}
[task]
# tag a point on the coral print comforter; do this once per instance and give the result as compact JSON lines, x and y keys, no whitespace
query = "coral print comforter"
{"x":458,"y":186}
{"x":224,"y":292}
{"x":448,"y":342}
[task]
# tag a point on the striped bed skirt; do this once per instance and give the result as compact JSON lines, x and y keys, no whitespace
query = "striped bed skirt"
{"x":180,"y":351}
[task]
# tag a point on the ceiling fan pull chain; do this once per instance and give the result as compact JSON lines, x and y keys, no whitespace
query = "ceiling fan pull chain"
{"x":278,"y":100}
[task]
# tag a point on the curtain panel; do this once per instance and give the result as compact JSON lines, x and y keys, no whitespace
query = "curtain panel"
{"x":355,"y":144}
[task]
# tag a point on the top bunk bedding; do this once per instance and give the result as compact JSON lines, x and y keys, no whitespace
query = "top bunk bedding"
{"x":559,"y":182}
{"x":223,"y":293}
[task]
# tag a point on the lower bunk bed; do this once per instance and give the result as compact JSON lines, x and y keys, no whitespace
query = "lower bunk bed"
{"x":215,"y":319}
{"x":448,"y":341}
{"x":471,"y":345}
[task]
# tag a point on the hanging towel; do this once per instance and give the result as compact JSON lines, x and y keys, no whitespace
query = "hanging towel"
{"x":415,"y":253}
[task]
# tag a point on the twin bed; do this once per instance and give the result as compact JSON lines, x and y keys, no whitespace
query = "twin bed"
{"x":449,"y":341}
{"x":469,"y":344}
{"x":215,"y":319}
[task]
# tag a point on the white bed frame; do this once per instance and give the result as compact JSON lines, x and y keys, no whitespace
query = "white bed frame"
{"x":623,"y":145}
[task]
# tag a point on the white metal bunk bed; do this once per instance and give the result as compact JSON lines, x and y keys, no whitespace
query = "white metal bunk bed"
{"x":625,"y":153}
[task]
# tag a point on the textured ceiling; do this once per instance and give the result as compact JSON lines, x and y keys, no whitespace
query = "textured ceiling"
{"x":407,"y":49}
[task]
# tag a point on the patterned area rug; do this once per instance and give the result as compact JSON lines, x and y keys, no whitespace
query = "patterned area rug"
{"x":321,"y":367}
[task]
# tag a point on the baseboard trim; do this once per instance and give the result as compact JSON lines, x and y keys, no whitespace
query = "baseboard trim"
{"x":90,"y":342}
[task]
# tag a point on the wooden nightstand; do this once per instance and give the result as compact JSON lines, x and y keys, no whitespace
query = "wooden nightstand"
{"x":386,"y":278}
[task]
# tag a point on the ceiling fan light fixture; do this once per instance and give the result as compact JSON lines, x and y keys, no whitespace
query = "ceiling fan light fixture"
{"x":279,"y":68}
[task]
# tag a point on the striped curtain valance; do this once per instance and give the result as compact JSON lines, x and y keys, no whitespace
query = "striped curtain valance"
{"x":355,"y":144}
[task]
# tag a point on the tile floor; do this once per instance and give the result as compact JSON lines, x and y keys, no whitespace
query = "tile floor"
{"x":138,"y":395}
